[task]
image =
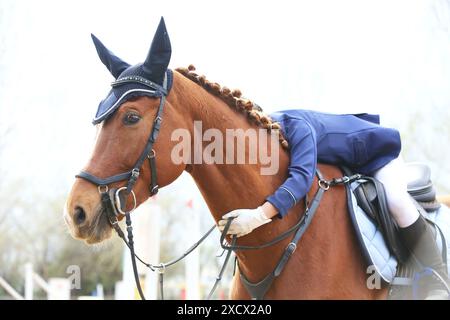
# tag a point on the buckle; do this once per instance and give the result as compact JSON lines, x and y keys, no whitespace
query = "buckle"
{"x":291,"y":247}
{"x":135,"y":173}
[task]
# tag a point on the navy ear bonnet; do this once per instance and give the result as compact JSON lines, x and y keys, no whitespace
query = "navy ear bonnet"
{"x":149,"y":78}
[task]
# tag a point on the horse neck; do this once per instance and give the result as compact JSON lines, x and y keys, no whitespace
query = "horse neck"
{"x":226,"y":187}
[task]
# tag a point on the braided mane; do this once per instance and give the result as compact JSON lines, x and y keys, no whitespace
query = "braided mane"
{"x":234,"y":99}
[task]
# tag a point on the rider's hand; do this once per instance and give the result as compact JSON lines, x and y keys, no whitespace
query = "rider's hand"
{"x":245,"y":220}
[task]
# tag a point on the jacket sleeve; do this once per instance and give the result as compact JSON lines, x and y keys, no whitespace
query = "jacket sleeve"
{"x":302,"y":167}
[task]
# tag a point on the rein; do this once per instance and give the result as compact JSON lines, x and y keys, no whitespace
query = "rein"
{"x":258,"y":290}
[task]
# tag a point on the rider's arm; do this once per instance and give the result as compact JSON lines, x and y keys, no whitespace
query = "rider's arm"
{"x":303,"y":152}
{"x":302,"y":166}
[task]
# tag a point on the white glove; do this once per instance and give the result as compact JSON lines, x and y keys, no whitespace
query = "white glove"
{"x":245,"y":220}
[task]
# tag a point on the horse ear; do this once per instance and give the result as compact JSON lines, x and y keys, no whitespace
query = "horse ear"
{"x":158,"y":57}
{"x":114,"y":64}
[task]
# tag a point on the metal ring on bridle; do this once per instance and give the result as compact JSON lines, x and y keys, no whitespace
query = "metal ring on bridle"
{"x":323,"y":184}
{"x":161,"y":268}
{"x":119,"y":205}
{"x":99,"y":188}
{"x":152,"y":154}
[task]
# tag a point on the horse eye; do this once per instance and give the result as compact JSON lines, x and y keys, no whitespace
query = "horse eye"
{"x":131,"y":118}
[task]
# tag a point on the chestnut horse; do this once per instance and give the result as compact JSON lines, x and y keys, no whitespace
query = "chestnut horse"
{"x":327,"y":264}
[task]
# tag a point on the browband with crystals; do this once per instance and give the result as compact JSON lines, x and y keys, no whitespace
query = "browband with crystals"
{"x":140,"y":80}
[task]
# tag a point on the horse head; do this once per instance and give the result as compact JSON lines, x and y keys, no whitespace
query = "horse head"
{"x":126,"y":119}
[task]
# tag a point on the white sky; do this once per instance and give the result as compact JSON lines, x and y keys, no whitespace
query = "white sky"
{"x":389,"y":57}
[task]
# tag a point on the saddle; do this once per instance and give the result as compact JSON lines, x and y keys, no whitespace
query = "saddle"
{"x":420,"y":186}
{"x":371,"y":198}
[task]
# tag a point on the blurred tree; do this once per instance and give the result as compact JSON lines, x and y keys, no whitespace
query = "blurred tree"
{"x":35,"y":232}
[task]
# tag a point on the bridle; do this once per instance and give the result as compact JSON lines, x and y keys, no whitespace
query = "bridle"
{"x":148,"y":152}
{"x":114,"y":200}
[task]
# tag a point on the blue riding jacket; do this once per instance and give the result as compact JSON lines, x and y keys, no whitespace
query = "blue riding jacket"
{"x":356,"y":141}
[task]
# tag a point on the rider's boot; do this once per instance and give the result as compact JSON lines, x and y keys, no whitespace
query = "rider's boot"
{"x":420,"y":241}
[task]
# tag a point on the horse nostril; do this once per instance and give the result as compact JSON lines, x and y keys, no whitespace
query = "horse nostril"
{"x":79,"y":215}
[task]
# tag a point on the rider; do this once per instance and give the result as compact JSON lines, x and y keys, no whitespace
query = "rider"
{"x":358,"y":142}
